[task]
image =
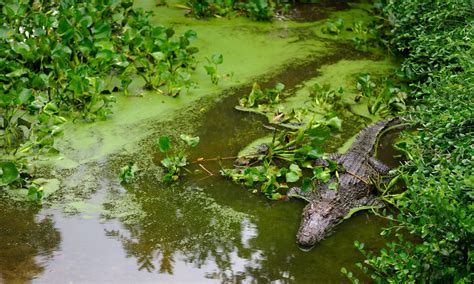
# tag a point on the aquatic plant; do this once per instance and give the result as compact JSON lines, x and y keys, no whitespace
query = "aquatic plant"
{"x":215,"y":60}
{"x":325,"y":97}
{"x":174,"y":164}
{"x":259,"y":10}
{"x":333,"y":26}
{"x":383,"y":101}
{"x":57,"y":62}
{"x":127,"y":173}
{"x":281,"y":161}
{"x":259,"y":97}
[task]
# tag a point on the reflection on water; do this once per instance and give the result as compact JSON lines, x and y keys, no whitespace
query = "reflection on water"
{"x":27,"y":242}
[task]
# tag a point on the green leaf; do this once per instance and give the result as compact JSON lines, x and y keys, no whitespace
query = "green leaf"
{"x":335,"y":123}
{"x":164,"y":143}
{"x":319,"y":135}
{"x":276,"y":196}
{"x":211,"y":70}
{"x":333,"y":185}
{"x":315,"y":153}
{"x":292,"y":177}
{"x":35,"y":193}
{"x":306,"y":184}
{"x":321,"y":174}
{"x":158,"y":56}
{"x":101,"y":31}
{"x":9,"y":173}
{"x":191,"y":141}
{"x":279,"y":87}
{"x":217,"y":58}
{"x":24,"y":96}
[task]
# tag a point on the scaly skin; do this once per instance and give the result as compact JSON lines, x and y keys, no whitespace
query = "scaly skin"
{"x":327,"y":207}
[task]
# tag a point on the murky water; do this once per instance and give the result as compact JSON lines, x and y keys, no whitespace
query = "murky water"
{"x":203,"y":228}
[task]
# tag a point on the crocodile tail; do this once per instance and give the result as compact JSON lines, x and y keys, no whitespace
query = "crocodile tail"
{"x":366,"y":139}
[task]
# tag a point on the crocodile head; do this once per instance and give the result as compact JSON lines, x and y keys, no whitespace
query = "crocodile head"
{"x":315,"y":224}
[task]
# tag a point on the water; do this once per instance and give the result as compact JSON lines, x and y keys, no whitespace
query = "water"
{"x":203,"y":228}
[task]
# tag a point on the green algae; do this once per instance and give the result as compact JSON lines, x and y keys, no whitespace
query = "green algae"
{"x":124,"y":207}
{"x":76,"y":207}
{"x":250,"y":50}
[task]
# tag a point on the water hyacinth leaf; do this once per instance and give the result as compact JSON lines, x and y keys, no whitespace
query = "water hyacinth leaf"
{"x":315,"y":153}
{"x":321,"y":174}
{"x":276,"y":196}
{"x":217,"y":58}
{"x":335,"y":123}
{"x":9,"y":173}
{"x":190,"y":35}
{"x":35,"y":193}
{"x":292,"y":177}
{"x":158,"y":56}
{"x":294,"y":173}
{"x":191,"y":141}
{"x":332,"y":165}
{"x":164,"y":144}
{"x":306,"y":185}
{"x":319,"y":134}
{"x":279,"y":87}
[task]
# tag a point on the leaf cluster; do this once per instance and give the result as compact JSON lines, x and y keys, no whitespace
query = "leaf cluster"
{"x":258,"y":10}
{"x":175,"y":163}
{"x":436,"y":209}
{"x":56,"y":56}
{"x":383,"y":98}
{"x":284,"y":159}
{"x":259,"y":97}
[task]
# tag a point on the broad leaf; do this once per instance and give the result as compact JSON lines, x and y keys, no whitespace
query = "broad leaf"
{"x":164,"y":143}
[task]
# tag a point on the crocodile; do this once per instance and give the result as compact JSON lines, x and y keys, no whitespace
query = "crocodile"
{"x":328,"y":207}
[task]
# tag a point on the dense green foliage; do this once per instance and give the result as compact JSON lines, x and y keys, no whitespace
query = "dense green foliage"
{"x":57,"y":61}
{"x":259,"y":10}
{"x":436,"y":209}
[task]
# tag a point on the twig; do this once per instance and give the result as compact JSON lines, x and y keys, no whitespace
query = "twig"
{"x":220,"y":158}
{"x":358,"y":177}
{"x":202,"y":167}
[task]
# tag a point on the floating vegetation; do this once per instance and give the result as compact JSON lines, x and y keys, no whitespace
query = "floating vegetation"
{"x":174,"y":164}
